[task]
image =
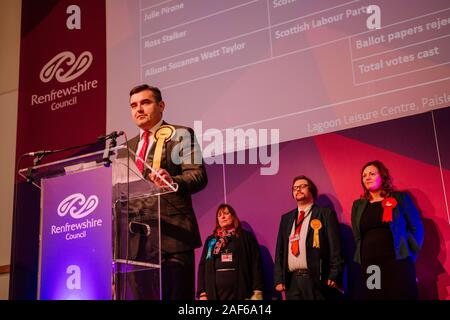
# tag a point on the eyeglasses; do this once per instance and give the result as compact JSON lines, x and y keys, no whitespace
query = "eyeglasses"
{"x":299,"y":187}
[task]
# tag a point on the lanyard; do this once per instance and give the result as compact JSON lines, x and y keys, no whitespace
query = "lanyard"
{"x":298,"y":223}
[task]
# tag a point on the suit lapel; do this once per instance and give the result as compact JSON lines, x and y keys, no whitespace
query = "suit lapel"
{"x":133,"y":145}
{"x":151,"y":152}
{"x":291,"y":220}
{"x":314,"y":215}
{"x":359,"y":211}
{"x":396,"y":211}
{"x":149,"y":159}
{"x":153,"y":147}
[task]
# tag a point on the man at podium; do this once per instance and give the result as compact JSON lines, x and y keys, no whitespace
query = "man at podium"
{"x":174,"y":153}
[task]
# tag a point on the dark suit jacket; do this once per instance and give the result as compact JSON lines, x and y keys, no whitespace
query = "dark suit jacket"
{"x":325,"y":262}
{"x":406,"y":226}
{"x":179,"y":228}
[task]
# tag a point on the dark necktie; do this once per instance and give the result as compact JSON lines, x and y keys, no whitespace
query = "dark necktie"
{"x":143,"y":152}
{"x":298,"y":225}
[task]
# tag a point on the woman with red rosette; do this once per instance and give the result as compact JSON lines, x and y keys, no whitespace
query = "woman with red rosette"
{"x":389,"y":234}
{"x":230,"y":267}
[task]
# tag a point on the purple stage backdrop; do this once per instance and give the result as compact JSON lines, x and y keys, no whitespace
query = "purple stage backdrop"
{"x":76,"y":247}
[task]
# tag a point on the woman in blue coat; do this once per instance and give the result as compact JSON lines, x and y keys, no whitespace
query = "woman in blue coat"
{"x":389,"y":234}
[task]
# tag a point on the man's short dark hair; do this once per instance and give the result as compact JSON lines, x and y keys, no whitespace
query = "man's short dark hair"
{"x":142,"y":87}
{"x":312,"y":186}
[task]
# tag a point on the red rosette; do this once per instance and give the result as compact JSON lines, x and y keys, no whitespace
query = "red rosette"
{"x":388,"y":205}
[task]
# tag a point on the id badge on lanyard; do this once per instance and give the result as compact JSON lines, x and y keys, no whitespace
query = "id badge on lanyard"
{"x":226,"y":257}
{"x":294,"y":237}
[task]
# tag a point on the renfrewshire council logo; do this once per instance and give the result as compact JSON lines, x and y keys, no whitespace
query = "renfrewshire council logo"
{"x":78,"y":207}
{"x":75,"y":66}
{"x":64,"y":68}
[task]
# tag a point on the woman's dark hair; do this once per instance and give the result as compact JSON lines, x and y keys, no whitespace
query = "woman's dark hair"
{"x":236,"y":222}
{"x":311,"y":185}
{"x":386,"y":181}
{"x":142,"y":87}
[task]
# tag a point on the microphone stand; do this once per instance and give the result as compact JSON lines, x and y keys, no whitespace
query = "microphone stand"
{"x":36,"y":161}
{"x":108,"y":146}
{"x":39,"y":155}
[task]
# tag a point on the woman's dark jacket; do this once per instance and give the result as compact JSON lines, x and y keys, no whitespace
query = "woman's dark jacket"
{"x":249,"y":267}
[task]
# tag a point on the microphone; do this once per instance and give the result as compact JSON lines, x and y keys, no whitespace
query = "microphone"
{"x":39,"y":153}
{"x":112,"y":135}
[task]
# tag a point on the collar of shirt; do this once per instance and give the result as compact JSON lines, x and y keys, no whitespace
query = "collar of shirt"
{"x":306,"y":209}
{"x":152,"y":130}
{"x":151,"y":140}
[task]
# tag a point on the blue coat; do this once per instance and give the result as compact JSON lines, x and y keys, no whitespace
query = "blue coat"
{"x":406,"y":226}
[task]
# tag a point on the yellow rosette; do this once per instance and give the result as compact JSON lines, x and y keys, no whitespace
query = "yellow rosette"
{"x":162,"y":135}
{"x":316,"y":225}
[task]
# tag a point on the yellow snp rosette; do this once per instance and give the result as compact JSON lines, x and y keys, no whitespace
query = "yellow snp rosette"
{"x":162,"y":135}
{"x":316,"y":225}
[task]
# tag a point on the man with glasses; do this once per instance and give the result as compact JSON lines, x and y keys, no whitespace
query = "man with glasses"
{"x":308,"y":257}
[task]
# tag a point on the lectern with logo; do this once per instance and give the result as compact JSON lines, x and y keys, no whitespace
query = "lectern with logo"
{"x":99,"y":228}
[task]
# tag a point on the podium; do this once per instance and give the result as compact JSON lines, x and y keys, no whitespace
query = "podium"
{"x":99,"y":235}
